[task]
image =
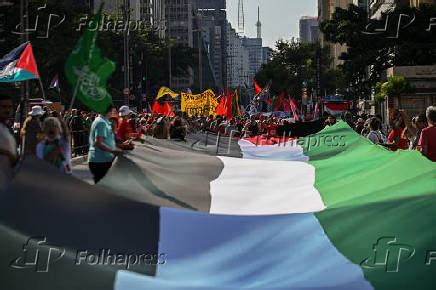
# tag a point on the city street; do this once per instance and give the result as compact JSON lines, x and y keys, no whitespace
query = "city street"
{"x":217,"y":144}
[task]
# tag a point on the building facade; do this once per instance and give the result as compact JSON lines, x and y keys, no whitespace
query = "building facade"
{"x":255,"y":53}
{"x":238,"y":61}
{"x":326,"y":8}
{"x":213,"y":27}
{"x":308,"y":29}
{"x":267,"y":54}
{"x":423,"y":80}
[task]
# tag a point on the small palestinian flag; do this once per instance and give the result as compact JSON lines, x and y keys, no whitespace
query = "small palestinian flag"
{"x":19,"y":65}
{"x":347,"y":215}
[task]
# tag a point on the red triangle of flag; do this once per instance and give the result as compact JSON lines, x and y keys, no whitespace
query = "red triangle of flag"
{"x":257,"y":88}
{"x":27,"y":61}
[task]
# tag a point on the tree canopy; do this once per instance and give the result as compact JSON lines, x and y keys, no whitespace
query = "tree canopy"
{"x":150,"y":53}
{"x":295,"y":66}
{"x":402,"y":37}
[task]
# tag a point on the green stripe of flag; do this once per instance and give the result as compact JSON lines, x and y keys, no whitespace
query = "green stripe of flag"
{"x":350,"y":170}
{"x":381,"y":207}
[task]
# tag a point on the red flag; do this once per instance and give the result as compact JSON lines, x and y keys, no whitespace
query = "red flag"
{"x":315,"y":112}
{"x":221,"y":110}
{"x":294,"y":109}
{"x":163,"y":109}
{"x":287,"y":106}
{"x":229,"y":105}
{"x":280,"y":101}
{"x":257,"y":88}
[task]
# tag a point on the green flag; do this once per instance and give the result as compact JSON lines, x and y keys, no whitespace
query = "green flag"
{"x":88,"y":71}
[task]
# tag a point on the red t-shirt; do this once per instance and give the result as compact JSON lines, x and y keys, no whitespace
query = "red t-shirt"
{"x":402,"y":143}
{"x":272,"y":129}
{"x":124,"y":130}
{"x":428,"y":143}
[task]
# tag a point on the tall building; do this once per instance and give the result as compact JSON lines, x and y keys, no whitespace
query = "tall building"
{"x":179,"y":29}
{"x":238,"y":61}
{"x":117,"y":6}
{"x":213,"y":28}
{"x":211,"y":4}
{"x":308,"y":29}
{"x":326,"y":8}
{"x":255,"y":52}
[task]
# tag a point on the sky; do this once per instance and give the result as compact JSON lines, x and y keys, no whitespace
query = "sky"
{"x":279,"y":18}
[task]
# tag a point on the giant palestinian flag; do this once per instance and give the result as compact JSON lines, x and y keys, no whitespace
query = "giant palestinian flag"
{"x":330,"y":211}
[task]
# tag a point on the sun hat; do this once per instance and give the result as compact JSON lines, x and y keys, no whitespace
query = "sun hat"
{"x":124,"y":111}
{"x":36,"y":111}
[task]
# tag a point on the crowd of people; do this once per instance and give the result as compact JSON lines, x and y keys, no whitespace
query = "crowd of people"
{"x":402,"y":132}
{"x":50,"y":136}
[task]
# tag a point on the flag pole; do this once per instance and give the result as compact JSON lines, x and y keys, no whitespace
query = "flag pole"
{"x":42,"y":88}
{"x":79,"y":80}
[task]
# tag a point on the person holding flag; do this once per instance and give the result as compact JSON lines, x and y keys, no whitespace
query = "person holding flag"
{"x":88,"y":71}
{"x":102,"y":145}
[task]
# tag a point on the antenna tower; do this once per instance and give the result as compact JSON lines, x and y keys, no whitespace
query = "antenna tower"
{"x":241,"y":17}
{"x":259,"y":24}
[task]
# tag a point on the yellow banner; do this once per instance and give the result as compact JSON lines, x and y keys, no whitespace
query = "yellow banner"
{"x":199,"y":105}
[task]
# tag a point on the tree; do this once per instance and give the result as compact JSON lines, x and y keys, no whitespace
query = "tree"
{"x":372,"y":48}
{"x":294,"y":65}
{"x":150,"y":53}
{"x":394,"y":87}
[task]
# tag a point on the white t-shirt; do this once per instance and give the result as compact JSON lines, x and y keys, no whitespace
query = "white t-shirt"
{"x":7,"y":143}
{"x":376,"y":137}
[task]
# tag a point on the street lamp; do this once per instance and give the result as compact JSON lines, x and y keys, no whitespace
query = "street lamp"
{"x":200,"y":53}
{"x":126,"y":14}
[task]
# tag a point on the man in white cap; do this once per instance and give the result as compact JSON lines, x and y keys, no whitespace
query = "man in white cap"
{"x":8,"y":147}
{"x":32,"y":130}
{"x":124,"y":128}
